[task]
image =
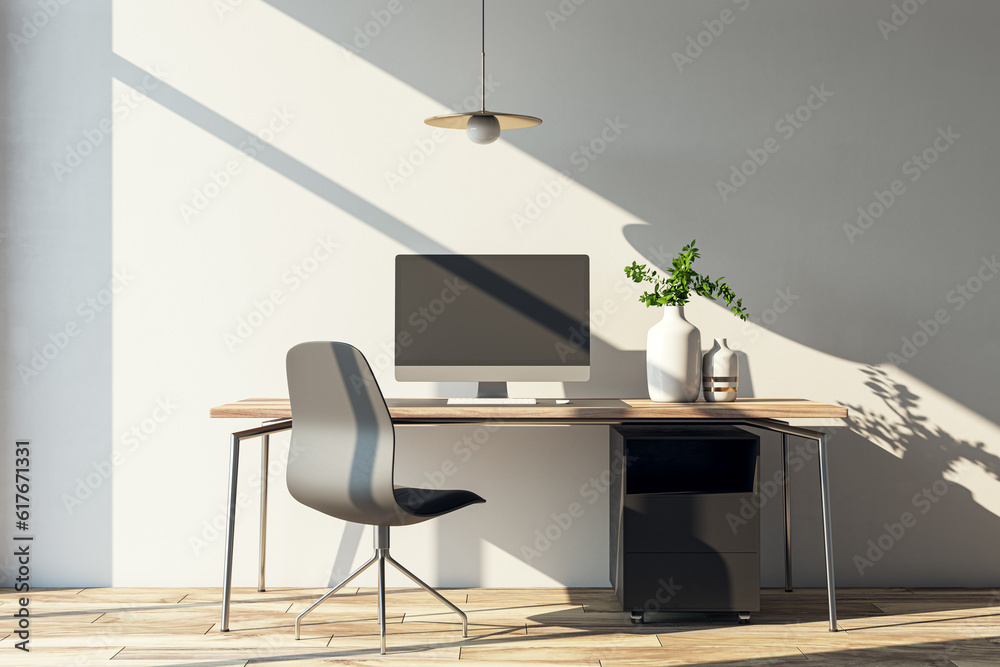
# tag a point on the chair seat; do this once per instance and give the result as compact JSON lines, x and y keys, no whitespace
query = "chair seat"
{"x":434,"y":502}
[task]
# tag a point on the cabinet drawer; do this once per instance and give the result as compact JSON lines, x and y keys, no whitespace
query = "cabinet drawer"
{"x":661,"y":522}
{"x":692,"y":582}
{"x":718,"y":460}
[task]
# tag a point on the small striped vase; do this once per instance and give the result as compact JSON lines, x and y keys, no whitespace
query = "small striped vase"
{"x":720,"y":373}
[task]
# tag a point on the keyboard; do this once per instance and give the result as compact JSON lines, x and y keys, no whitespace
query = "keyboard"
{"x":492,"y":401}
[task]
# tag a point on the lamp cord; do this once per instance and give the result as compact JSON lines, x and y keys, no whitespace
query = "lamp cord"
{"x":483,"y":90}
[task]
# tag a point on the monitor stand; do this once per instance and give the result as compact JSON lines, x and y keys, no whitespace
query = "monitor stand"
{"x":492,"y":393}
{"x":492,"y":390}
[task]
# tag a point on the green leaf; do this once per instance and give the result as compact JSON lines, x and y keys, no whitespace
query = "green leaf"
{"x":683,"y":279}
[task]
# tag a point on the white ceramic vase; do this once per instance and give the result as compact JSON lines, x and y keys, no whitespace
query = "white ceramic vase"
{"x":720,"y":373}
{"x":673,"y":358}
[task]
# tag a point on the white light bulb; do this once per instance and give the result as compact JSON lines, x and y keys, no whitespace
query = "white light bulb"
{"x":483,"y":129}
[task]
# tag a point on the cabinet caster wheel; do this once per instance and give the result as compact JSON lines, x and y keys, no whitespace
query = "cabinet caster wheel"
{"x":744,"y":618}
{"x":637,"y":617}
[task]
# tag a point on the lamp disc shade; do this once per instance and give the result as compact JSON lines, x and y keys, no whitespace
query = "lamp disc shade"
{"x":458,"y":121}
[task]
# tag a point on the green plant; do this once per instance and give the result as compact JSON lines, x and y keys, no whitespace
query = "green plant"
{"x":676,"y":290}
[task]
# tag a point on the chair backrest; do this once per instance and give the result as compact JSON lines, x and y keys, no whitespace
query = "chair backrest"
{"x":341,"y":455}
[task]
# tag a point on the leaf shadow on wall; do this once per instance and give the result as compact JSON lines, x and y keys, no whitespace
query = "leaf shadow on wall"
{"x":914,"y":436}
{"x":680,"y":141}
{"x":914,"y":510}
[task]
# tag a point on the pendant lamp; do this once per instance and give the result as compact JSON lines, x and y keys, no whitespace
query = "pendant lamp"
{"x":483,"y":127}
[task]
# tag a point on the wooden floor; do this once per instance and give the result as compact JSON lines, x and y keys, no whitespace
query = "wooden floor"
{"x":124,"y":627}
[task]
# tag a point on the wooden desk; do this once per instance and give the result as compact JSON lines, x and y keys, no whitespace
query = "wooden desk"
{"x":612,"y":411}
{"x":752,"y":412}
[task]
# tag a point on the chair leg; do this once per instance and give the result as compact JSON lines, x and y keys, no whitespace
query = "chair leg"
{"x":381,"y":540}
{"x":414,"y":579}
{"x":381,"y":599}
{"x":298,"y":619}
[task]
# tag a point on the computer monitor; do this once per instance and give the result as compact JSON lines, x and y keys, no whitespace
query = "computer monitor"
{"x":492,"y":319}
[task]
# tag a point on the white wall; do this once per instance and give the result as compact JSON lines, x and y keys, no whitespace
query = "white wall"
{"x":207,"y":234}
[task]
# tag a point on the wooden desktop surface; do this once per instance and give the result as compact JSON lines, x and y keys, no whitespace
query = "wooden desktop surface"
{"x":417,"y":410}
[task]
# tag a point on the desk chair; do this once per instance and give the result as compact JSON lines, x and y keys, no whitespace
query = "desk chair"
{"x":341,"y":458}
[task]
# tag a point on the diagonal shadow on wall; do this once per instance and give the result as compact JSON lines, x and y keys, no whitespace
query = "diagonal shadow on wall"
{"x":226,"y":130}
{"x":579,"y":66}
{"x":282,"y":163}
{"x":789,"y":242}
{"x":622,"y":377}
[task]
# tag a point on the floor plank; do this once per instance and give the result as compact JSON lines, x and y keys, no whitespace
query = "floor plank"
{"x":128,"y":627}
{"x":76,"y":655}
{"x":286,"y":655}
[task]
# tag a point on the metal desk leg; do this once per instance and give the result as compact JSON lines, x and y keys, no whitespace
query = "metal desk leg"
{"x":824,"y":484}
{"x":788,"y":514}
{"x":234,"y":462}
{"x":227,"y":581}
{"x":264,"y":444}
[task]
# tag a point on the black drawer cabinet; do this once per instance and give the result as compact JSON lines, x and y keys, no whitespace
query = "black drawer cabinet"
{"x":684,"y":532}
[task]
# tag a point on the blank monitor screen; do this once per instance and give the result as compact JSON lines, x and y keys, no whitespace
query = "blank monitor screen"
{"x":492,"y":317}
